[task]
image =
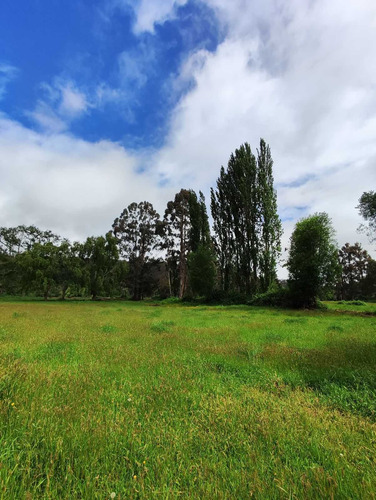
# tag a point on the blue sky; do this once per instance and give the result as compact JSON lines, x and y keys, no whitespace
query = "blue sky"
{"x":91,"y":49}
{"x":107,"y":102}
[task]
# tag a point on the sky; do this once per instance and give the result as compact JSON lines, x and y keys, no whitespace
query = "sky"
{"x":107,"y":102}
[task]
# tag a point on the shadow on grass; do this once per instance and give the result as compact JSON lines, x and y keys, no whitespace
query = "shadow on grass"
{"x":343,"y":372}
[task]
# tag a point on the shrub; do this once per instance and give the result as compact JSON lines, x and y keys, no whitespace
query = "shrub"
{"x":277,"y":298}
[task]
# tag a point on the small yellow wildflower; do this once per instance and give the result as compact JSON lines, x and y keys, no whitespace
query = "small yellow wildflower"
{"x":134,"y":477}
{"x":12,"y":404}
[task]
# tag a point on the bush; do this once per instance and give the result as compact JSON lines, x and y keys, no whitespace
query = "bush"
{"x":275,"y":298}
{"x":171,"y":300}
{"x":352,"y":302}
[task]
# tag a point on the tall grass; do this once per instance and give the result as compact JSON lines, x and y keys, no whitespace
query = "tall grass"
{"x":185,"y":402}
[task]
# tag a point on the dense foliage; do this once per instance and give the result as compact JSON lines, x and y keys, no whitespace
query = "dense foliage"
{"x":145,"y":255}
{"x":136,"y":231}
{"x":246,"y":224}
{"x":358,"y":278}
{"x":313,"y":262}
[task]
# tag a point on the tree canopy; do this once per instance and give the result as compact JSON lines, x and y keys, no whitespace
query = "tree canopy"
{"x":367,"y":209}
{"x":312,"y":262}
{"x":245,"y":221}
{"x":178,"y":256}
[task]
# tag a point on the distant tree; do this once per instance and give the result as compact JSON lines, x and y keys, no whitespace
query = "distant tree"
{"x":39,"y":268}
{"x":48,"y":267}
{"x":369,"y":282}
{"x":354,"y":262}
{"x":199,"y":222}
{"x":223,"y":230}
{"x":101,"y":258}
{"x":178,"y":224}
{"x":202,"y":271}
{"x":313,"y":262}
{"x":367,"y":209}
{"x":136,"y":232}
{"x":15,"y":240}
{"x":69,"y":267}
{"x":10,"y":278}
{"x":185,"y":227}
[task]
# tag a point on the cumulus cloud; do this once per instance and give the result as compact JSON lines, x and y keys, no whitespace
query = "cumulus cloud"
{"x":301,"y":75}
{"x":74,"y":187}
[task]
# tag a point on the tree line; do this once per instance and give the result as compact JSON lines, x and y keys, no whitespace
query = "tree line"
{"x":178,"y":255}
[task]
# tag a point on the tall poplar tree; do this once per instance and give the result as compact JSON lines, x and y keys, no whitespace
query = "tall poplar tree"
{"x":246,"y":224}
{"x":270,"y":227}
{"x":223,"y":234}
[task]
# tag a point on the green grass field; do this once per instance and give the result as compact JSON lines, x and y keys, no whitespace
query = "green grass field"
{"x":354,"y":306}
{"x":146,"y":401}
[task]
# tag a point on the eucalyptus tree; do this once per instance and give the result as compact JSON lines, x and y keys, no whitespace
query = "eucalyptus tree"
{"x":101,"y":261}
{"x":15,"y":240}
{"x":136,"y":231}
{"x":354,"y":262}
{"x":185,"y":227}
{"x":177,"y":239}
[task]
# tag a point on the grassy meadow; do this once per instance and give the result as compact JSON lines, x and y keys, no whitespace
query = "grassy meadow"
{"x":170,"y":401}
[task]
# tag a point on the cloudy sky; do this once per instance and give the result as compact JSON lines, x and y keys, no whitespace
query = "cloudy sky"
{"x":105,"y":102}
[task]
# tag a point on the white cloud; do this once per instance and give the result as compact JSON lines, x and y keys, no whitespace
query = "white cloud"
{"x":46,"y":118}
{"x":301,"y":75}
{"x":73,"y":102}
{"x":136,"y":65}
{"x":71,"y":186}
{"x":150,"y":12}
{"x":63,"y":102}
{"x":7,"y":73}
